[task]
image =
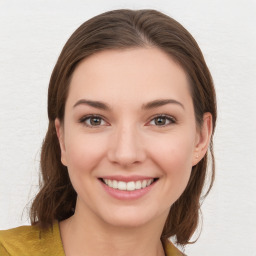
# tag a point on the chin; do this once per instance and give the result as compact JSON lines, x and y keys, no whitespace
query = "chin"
{"x":132,"y":218}
{"x":128,"y":222}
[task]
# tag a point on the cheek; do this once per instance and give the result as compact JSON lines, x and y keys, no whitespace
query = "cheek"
{"x":173,"y":150}
{"x":83,"y":152}
{"x":176,"y":164}
{"x":173,"y":156}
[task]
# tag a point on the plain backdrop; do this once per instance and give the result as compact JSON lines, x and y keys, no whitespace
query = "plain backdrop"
{"x":32,"y":34}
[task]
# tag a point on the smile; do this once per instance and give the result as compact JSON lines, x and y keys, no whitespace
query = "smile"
{"x":128,"y":186}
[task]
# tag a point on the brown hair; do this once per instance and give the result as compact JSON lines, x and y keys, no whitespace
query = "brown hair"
{"x":122,"y":29}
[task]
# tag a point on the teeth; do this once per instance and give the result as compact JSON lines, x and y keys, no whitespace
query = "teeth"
{"x":128,"y":186}
{"x":114,"y":184}
{"x":120,"y":185}
{"x":144,"y":183}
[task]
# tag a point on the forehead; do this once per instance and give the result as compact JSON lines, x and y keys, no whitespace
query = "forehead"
{"x":139,"y":74}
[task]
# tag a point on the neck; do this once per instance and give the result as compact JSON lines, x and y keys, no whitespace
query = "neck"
{"x":87,"y":235}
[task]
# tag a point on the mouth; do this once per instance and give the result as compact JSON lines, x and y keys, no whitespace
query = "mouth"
{"x":128,"y":186}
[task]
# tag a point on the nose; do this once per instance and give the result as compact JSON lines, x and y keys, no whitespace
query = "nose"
{"x":126,"y":147}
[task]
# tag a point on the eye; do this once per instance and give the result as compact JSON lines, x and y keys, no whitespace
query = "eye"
{"x":162,"y":120}
{"x":93,"y":121}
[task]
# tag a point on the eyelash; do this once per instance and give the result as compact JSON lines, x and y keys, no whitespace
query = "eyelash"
{"x":171,"y":119}
{"x":83,"y":120}
{"x":89,"y":117}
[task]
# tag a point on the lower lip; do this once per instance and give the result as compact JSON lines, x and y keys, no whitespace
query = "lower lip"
{"x":127,"y":195}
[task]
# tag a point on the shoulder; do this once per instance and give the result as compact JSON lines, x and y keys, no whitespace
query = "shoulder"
{"x":28,"y":240}
{"x":171,"y":250}
{"x":13,"y":241}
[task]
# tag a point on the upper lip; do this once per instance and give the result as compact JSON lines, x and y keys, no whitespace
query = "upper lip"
{"x":127,"y":178}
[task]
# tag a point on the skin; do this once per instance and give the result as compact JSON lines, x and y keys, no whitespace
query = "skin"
{"x":127,"y":139}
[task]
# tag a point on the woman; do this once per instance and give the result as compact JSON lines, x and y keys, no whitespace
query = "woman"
{"x":132,"y":110}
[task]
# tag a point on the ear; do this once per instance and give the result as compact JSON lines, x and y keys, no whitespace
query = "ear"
{"x":203,"y":138}
{"x":60,"y":134}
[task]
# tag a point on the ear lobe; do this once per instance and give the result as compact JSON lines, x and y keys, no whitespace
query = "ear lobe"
{"x":204,"y":138}
{"x":60,"y":134}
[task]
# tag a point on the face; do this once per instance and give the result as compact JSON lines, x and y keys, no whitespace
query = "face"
{"x":129,"y":136}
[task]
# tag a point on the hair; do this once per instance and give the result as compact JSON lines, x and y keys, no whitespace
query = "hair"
{"x":122,"y":29}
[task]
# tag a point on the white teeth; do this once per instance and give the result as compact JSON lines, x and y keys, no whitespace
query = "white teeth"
{"x":138,"y":184}
{"x":129,"y":186}
{"x":115,"y":184}
{"x":121,"y":185}
{"x":144,"y":183}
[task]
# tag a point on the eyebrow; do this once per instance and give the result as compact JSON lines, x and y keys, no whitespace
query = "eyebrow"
{"x":161,"y":102}
{"x":94,"y":104}
{"x":147,"y":106}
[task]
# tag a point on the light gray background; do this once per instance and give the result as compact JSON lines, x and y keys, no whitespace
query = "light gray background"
{"x":32,"y":34}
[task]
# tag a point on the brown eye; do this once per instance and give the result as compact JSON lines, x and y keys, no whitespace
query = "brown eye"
{"x":93,"y":121}
{"x":162,"y":120}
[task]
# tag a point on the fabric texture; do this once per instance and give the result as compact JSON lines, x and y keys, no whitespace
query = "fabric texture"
{"x":31,"y":241}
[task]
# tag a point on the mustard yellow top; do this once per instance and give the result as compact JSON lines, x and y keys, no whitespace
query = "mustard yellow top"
{"x":31,"y":241}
